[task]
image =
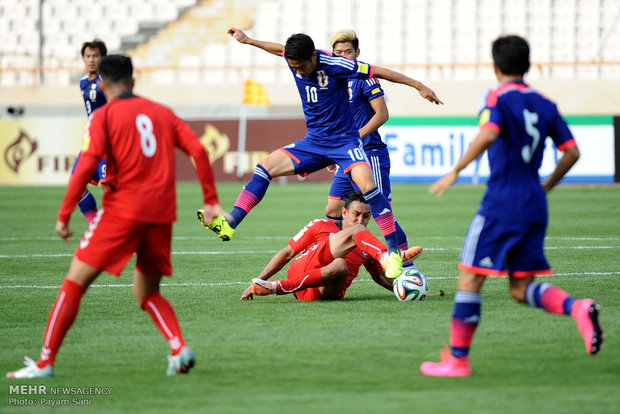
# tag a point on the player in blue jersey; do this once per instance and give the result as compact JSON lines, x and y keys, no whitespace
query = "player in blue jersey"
{"x":321,"y":80}
{"x":369,"y":111}
{"x":507,"y":234}
{"x":92,"y":54}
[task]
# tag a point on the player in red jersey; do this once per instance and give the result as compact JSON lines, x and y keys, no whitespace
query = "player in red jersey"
{"x":137,"y":137}
{"x":333,"y":252}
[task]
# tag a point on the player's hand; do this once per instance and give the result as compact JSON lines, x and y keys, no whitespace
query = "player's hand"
{"x":64,"y":231}
{"x":440,"y":186}
{"x":211,"y":211}
{"x":238,"y":34}
{"x":247,"y":294}
{"x":428,"y":94}
{"x":332,"y":168}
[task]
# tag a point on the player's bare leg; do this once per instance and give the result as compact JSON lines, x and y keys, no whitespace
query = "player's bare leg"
{"x":361,"y":174}
{"x":146,"y":291}
{"x":333,"y":209}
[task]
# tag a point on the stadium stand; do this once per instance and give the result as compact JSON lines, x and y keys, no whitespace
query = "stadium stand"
{"x":184,"y":41}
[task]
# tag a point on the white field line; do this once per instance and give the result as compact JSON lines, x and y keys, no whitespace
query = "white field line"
{"x":211,"y":239}
{"x":245,"y":283}
{"x":229,"y":252}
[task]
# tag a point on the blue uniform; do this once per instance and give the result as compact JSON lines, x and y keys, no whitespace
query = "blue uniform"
{"x":332,"y":135}
{"x":361,"y":92}
{"x":507,"y":234}
{"x":93,"y":99}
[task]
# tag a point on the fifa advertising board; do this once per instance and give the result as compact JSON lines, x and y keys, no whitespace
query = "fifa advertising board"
{"x":424,"y":149}
{"x":42,"y":150}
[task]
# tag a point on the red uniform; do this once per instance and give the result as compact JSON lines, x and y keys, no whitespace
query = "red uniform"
{"x":137,"y":137}
{"x":314,"y":239}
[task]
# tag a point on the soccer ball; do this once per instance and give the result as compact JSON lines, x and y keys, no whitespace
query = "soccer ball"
{"x":410,"y":285}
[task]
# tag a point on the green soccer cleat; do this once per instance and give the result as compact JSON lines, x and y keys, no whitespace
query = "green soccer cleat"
{"x":393,"y":265}
{"x":219,"y":226}
{"x":181,"y":362}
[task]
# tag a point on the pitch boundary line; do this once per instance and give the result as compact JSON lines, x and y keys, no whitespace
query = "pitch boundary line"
{"x":215,"y":284}
{"x":229,"y":252}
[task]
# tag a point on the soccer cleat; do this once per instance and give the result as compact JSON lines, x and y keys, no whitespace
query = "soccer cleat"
{"x":218,"y":225}
{"x":181,"y":362}
{"x":393,"y":265}
{"x":411,"y":254}
{"x":585,"y":313}
{"x":31,"y":370}
{"x":450,"y":366}
{"x":262,"y":287}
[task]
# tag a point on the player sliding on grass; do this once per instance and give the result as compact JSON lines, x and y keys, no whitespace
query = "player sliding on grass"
{"x":507,"y":234}
{"x":138,"y":138}
{"x":321,"y":79}
{"x":332,"y":255}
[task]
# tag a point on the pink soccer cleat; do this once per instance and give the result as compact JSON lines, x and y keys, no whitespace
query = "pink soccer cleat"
{"x":585,"y":313}
{"x":450,"y":366}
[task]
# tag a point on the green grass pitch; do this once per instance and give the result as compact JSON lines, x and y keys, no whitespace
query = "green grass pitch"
{"x":276,"y":355}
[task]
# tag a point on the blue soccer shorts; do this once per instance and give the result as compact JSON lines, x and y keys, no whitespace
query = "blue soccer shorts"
{"x":310,"y":155}
{"x":99,"y":176}
{"x":379,"y":160}
{"x":499,"y":247}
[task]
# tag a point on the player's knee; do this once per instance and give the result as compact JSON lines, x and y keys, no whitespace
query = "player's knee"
{"x":518,"y":293}
{"x":339,"y":267}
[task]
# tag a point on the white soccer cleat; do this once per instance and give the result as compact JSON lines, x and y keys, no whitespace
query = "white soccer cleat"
{"x":181,"y":362}
{"x":31,"y":370}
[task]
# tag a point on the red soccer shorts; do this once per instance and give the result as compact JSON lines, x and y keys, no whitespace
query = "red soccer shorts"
{"x":110,"y":241}
{"x":315,"y":257}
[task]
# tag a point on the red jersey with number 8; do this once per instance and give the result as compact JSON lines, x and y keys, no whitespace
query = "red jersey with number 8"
{"x":137,"y":137}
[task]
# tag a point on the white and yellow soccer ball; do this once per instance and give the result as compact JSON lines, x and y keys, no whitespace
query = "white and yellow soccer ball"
{"x":410,"y":285}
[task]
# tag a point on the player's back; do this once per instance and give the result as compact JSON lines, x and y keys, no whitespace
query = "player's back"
{"x":141,"y":137}
{"x":524,"y":119}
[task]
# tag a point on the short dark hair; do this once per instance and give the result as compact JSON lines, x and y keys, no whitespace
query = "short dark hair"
{"x":116,"y":69}
{"x":299,"y":47}
{"x":95,"y":44}
{"x":354,"y":196}
{"x":511,"y":54}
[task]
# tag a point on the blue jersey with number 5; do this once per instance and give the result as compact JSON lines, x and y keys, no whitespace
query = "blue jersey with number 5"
{"x":524,"y":119}
{"x":93,"y":97}
{"x":325,"y":98}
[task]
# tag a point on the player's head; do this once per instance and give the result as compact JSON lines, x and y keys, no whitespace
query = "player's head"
{"x":301,"y":55}
{"x":92,"y":53}
{"x":345,"y":43}
{"x":116,"y":74}
{"x":356,"y":210}
{"x":511,"y":55}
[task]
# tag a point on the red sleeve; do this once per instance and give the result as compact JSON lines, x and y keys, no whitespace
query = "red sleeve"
{"x":77,"y":184}
{"x":305,"y":237}
{"x":191,"y":145}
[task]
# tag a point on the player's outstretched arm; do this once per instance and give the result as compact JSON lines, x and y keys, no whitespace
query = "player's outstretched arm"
{"x":382,"y":280}
{"x":276,"y":264}
{"x":570,"y":157}
{"x":482,"y":141}
{"x":397,"y":77}
{"x":271,"y":47}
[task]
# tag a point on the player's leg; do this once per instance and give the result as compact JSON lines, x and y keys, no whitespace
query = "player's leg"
{"x":341,"y":186}
{"x":88,"y":203}
{"x":465,"y":317}
{"x":60,"y":319}
{"x":361,"y":174}
{"x":153,"y":261}
{"x":527,"y":259}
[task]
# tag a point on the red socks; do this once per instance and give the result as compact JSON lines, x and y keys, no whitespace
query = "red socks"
{"x":165,"y":319}
{"x":370,"y":245}
{"x":61,"y":318}
{"x":305,"y":280}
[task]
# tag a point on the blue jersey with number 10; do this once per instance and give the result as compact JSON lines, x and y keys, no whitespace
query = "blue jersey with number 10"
{"x":524,"y":119}
{"x":325,"y":98}
{"x":93,"y":97}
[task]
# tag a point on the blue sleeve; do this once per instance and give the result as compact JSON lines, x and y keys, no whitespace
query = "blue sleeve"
{"x":372,"y":89}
